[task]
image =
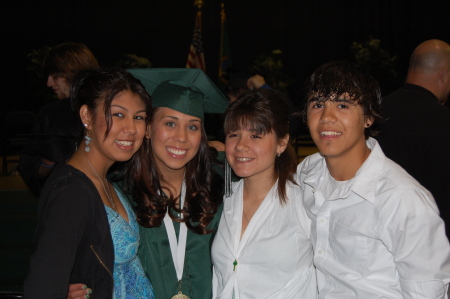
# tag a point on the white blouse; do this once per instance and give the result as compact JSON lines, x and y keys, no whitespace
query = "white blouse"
{"x":274,"y":257}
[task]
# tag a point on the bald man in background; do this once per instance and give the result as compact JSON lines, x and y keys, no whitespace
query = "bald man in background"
{"x":416,"y":132}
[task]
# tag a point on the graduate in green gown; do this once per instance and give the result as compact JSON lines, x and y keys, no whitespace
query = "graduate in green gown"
{"x":178,"y":197}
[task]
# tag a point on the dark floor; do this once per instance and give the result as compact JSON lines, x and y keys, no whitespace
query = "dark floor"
{"x":17,"y":222}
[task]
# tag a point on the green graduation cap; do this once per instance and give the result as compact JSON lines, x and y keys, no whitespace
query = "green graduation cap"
{"x":188,"y":91}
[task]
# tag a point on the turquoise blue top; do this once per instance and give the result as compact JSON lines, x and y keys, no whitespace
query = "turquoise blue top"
{"x":129,"y":278}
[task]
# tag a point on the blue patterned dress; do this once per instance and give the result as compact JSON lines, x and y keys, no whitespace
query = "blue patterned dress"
{"x":129,"y":278}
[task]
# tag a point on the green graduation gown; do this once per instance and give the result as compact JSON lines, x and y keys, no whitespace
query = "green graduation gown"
{"x":156,"y":259}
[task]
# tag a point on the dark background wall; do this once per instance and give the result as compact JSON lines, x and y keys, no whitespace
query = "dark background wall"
{"x":308,"y":32}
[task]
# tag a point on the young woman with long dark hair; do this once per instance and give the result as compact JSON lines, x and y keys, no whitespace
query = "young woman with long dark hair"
{"x":87,"y":230}
{"x":178,"y":194}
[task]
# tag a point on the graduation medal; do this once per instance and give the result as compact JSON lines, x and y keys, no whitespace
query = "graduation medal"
{"x":180,"y":296}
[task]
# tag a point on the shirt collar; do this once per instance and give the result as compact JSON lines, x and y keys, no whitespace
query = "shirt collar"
{"x":313,"y":171}
{"x":365,"y":181}
{"x":368,"y":175}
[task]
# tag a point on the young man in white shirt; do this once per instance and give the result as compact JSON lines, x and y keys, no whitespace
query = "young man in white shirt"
{"x":376,"y":232}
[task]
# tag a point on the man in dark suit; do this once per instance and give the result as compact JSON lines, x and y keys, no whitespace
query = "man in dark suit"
{"x":416,"y":130}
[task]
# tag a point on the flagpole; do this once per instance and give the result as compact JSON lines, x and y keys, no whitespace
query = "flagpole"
{"x":222,"y":25}
{"x":224,"y":55}
{"x":199,"y":4}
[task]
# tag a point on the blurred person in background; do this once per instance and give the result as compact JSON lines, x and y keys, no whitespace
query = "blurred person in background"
{"x":54,"y":135}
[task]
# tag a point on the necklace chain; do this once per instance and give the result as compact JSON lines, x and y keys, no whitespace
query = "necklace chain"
{"x":108,"y":194}
{"x":245,"y":216}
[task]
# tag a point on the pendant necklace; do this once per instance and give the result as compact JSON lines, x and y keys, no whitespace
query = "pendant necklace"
{"x":108,"y":194}
{"x":178,"y":250}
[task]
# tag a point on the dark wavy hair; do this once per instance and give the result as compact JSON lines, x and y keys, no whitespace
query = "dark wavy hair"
{"x":264,"y":111}
{"x":93,"y":86}
{"x":66,"y":59}
{"x":337,"y":78}
{"x":204,"y":189}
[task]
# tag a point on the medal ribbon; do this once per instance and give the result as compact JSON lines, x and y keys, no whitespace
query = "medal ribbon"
{"x":178,"y":250}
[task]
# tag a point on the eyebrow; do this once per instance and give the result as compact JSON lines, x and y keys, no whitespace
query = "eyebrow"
{"x":121,"y":107}
{"x":316,"y":99}
{"x":338,"y":100}
{"x":176,"y":118}
{"x":343,"y":100}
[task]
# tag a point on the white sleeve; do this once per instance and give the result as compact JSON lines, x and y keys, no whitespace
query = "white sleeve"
{"x":415,"y":235}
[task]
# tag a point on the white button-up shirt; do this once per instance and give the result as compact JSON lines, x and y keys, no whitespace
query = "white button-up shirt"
{"x":273,"y":258}
{"x":377,"y":236}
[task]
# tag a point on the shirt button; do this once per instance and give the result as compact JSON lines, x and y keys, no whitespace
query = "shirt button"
{"x":314,"y":190}
{"x":322,"y":220}
{"x":319,"y":251}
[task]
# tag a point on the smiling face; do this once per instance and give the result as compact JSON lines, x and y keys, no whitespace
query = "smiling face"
{"x":175,"y":139}
{"x":59,"y":86}
{"x":252,"y":155}
{"x":127,"y":130}
{"x":337,"y":127}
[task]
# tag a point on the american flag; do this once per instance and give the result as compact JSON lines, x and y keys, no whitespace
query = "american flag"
{"x":196,"y":59}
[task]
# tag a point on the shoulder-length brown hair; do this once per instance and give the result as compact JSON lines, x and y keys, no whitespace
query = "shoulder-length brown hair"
{"x":264,"y":111}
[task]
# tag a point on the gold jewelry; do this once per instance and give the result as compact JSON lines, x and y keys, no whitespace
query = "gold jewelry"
{"x":108,"y":194}
{"x":180,"y":296}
